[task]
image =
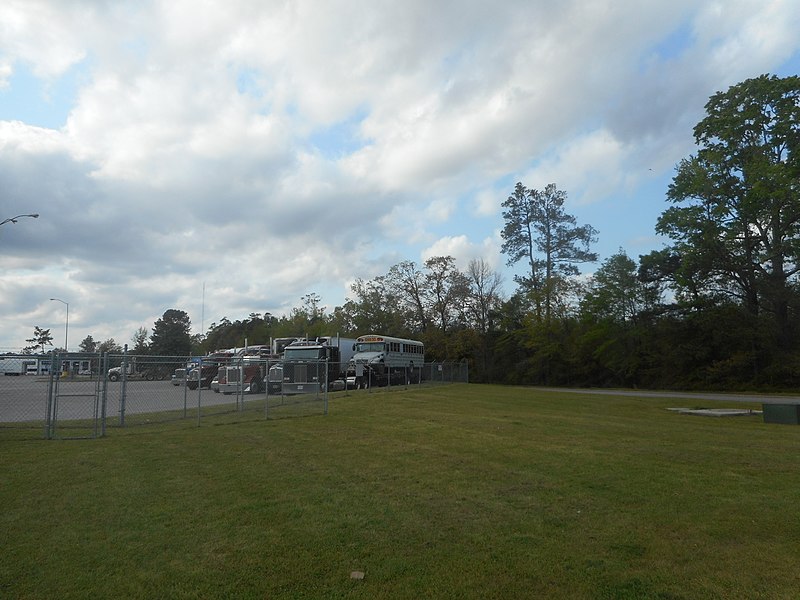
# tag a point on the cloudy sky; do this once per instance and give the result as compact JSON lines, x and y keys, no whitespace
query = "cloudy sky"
{"x":264,"y":150}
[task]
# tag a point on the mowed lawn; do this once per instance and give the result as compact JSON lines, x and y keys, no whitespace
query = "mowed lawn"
{"x":463,"y":491}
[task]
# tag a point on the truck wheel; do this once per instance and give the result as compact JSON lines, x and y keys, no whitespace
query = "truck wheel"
{"x":149,"y":376}
{"x":113,"y":377}
{"x":255,"y":386}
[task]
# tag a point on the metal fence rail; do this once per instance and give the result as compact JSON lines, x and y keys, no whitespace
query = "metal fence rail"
{"x":67,"y":396}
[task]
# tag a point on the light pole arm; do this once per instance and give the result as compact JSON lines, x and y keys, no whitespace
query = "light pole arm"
{"x":14,"y":219}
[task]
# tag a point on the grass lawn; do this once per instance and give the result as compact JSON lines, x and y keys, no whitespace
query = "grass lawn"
{"x":462,"y":491}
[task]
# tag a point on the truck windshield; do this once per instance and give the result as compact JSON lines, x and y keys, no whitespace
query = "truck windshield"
{"x":301,"y":353}
{"x":369,"y":347}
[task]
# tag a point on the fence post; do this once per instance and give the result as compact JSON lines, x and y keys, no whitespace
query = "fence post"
{"x":326,"y":386}
{"x":240,"y":385}
{"x":103,"y":366}
{"x":124,"y":386}
{"x":50,"y":398}
{"x":199,"y":387}
{"x":266,"y":388}
{"x":186,"y":389}
{"x":98,"y":398}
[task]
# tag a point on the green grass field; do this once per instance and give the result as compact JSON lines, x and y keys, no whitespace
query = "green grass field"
{"x":463,"y":491}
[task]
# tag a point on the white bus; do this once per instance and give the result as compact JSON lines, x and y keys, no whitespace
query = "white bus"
{"x":384,"y":360}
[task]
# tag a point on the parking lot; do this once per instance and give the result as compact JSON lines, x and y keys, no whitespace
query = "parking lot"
{"x":24,"y":398}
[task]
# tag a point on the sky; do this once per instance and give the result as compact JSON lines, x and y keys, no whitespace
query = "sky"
{"x":228,"y":158}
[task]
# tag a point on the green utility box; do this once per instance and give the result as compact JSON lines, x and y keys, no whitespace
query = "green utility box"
{"x":786,"y":414}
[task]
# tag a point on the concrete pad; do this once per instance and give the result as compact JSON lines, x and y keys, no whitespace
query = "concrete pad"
{"x":717,"y":412}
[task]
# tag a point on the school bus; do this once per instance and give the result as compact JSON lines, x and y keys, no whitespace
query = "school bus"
{"x":383,"y":360}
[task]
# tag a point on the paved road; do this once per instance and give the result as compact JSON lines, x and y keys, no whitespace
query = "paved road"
{"x":757,"y":398}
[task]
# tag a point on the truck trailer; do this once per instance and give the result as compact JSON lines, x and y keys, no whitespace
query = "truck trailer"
{"x":17,"y":365}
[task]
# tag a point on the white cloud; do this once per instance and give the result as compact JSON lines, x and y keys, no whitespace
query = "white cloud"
{"x":463,"y":250}
{"x":487,"y":202}
{"x":45,"y":35}
{"x":5,"y":74}
{"x":202,"y":141}
{"x":18,"y":138}
{"x":592,"y":164}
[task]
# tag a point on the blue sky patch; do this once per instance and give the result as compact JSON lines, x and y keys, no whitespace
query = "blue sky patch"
{"x":676,"y":43}
{"x":39,"y":102}
{"x":341,"y":138}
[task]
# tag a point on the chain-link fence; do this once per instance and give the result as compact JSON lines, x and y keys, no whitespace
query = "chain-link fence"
{"x":39,"y":391}
{"x":88,"y":395}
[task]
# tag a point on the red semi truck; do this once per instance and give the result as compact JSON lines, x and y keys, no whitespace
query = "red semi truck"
{"x":246,"y":372}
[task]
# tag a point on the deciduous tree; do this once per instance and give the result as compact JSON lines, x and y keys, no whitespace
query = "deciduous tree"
{"x":616,"y":293}
{"x":374,"y":308}
{"x":735,"y":219}
{"x":407,"y":283}
{"x":485,"y":296}
{"x":447,"y":291}
{"x":110,"y":346}
{"x":309,"y":319}
{"x":140,"y":343}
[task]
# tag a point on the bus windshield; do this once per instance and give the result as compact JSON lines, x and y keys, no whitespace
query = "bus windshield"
{"x":369,"y":347}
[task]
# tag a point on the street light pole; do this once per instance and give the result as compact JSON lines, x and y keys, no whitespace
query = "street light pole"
{"x":66,"y":328}
{"x":14,"y":219}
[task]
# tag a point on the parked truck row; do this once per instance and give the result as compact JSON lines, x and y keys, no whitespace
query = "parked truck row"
{"x":296,"y":366}
{"x":303,"y":365}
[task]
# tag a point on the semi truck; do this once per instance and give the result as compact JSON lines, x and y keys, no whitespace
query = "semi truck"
{"x":380,"y":360}
{"x":204,"y":372}
{"x":311,"y":366}
{"x":149,"y":371}
{"x":268,"y":359}
{"x":246,"y":371}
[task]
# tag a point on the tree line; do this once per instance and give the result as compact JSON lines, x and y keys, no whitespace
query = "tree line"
{"x":170,"y":337}
{"x":716,"y":308}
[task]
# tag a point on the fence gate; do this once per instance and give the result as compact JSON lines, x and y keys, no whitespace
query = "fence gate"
{"x":76,"y":396}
